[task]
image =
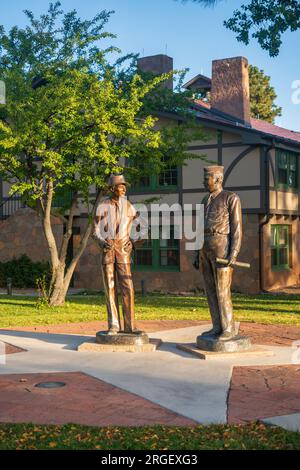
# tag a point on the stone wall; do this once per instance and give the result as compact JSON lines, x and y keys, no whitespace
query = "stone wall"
{"x":247,"y":280}
{"x":87,"y":274}
{"x":22,"y":233}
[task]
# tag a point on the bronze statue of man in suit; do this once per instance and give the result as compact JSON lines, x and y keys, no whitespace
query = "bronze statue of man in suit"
{"x":222,"y":239}
{"x":113,"y":222}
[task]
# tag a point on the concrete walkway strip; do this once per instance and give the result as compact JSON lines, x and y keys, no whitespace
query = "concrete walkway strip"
{"x":169,"y":377}
{"x":289,"y":422}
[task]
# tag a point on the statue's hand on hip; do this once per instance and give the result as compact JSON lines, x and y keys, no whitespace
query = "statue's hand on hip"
{"x":105,"y":244}
{"x":129,"y":245}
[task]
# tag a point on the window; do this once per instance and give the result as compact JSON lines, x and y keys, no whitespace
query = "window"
{"x":167,"y":179}
{"x":62,"y":198}
{"x":287,"y":168}
{"x":158,"y":254}
{"x":280,"y":252}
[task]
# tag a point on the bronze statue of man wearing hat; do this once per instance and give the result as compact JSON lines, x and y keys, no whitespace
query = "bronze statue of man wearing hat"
{"x":113,"y":222}
{"x":222,"y":240}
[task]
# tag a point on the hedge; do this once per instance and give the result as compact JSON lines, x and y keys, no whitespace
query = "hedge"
{"x":23,"y":272}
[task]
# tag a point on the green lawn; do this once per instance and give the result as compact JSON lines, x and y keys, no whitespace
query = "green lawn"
{"x":22,"y":311}
{"x":214,"y":437}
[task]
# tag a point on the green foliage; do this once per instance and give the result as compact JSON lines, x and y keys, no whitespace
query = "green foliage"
{"x":70,"y":114}
{"x":251,"y":436}
{"x":262,"y":96}
{"x":72,"y":118}
{"x":43,"y":287}
{"x":206,"y":3}
{"x":23,"y":272}
{"x":264,"y":20}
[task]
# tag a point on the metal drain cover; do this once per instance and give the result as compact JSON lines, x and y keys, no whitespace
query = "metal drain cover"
{"x":50,"y":384}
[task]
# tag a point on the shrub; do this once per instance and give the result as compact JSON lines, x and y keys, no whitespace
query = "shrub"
{"x":23,"y":272}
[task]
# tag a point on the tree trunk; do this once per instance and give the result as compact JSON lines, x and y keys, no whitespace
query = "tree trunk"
{"x":61,"y":277}
{"x":58,"y":290}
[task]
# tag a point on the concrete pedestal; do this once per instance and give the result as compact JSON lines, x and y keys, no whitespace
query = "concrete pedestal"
{"x":120,"y":342}
{"x":213,"y":344}
{"x":192,"y":348}
{"x":122,"y":339}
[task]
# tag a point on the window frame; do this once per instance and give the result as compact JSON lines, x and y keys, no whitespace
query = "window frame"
{"x":290,"y":155}
{"x":154,"y":184}
{"x":277,"y":246}
{"x":63,"y":198}
{"x":155,"y":250}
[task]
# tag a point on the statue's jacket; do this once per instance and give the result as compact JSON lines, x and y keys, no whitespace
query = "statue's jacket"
{"x":222,"y":224}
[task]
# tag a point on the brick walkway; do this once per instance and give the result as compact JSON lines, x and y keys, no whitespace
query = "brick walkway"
{"x":256,"y":392}
{"x":11,"y":349}
{"x":84,"y":400}
{"x":263,"y":391}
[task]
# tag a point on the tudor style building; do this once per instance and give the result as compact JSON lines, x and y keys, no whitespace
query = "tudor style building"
{"x":261,"y":163}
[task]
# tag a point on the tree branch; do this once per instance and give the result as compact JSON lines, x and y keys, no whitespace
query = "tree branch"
{"x":84,"y":240}
{"x":48,"y":228}
{"x":68,"y":233}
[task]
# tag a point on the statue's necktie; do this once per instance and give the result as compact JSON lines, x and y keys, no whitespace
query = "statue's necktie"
{"x":208,"y":203}
{"x":117,"y":218}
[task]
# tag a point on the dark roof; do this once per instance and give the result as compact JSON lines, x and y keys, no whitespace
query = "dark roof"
{"x":266,"y":128}
{"x":199,"y":82}
{"x":271,"y":129}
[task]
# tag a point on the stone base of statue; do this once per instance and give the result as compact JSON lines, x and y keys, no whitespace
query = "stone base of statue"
{"x":211,"y":343}
{"x":192,"y":349}
{"x":122,"y":338}
{"x":120,"y":342}
{"x":209,"y":347}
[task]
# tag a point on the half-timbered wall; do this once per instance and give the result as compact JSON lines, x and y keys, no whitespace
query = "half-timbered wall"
{"x":282,"y":201}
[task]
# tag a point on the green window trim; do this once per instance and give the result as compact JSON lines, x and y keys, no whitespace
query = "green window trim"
{"x":155,"y":246}
{"x":62,"y":198}
{"x":287,"y":168}
{"x":280,"y":247}
{"x":153,"y":182}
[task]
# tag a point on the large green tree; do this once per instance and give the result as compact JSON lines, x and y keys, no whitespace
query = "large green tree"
{"x":71,"y":119}
{"x":264,"y":20}
{"x":262,"y":96}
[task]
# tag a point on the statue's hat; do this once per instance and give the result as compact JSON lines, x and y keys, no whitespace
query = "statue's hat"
{"x":114,"y":180}
{"x":214,"y":169}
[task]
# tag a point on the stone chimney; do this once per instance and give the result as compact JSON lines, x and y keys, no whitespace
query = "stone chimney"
{"x":157,"y":64}
{"x":230,"y":88}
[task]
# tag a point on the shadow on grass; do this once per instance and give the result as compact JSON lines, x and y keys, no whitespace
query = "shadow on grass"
{"x":31,"y":302}
{"x":17,"y":304}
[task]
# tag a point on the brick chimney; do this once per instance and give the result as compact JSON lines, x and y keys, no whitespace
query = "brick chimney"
{"x":157,"y":64}
{"x":230,"y":88}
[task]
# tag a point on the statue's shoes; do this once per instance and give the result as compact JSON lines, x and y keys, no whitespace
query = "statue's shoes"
{"x":134,"y":332}
{"x":227,"y":335}
{"x":211,"y":332}
{"x":113,"y":331}
{"x":137,"y":332}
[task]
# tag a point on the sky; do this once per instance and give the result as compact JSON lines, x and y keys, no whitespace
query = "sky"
{"x":190,"y":33}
